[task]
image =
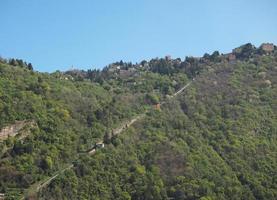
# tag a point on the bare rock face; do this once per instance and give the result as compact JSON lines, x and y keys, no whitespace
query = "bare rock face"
{"x":15,"y":129}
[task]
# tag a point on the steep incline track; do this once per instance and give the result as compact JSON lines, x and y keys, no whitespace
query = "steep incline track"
{"x":36,"y":187}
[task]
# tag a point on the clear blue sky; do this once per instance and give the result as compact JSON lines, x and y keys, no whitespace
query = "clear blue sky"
{"x":58,"y":34}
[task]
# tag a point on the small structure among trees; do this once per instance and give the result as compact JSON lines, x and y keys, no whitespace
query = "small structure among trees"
{"x":168,"y":57}
{"x":231,"y":57}
{"x":99,"y":145}
{"x":2,"y":196}
{"x":157,"y":106}
{"x":267,"y":47}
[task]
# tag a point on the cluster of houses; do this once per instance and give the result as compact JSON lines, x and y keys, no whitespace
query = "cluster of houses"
{"x":133,"y":70}
{"x":266,"y":48}
{"x":123,"y":72}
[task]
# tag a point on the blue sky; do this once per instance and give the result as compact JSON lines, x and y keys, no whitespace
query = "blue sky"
{"x":58,"y":34}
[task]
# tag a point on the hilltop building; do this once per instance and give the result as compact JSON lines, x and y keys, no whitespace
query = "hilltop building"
{"x":231,"y":57}
{"x":267,"y":47}
{"x":168,"y":57}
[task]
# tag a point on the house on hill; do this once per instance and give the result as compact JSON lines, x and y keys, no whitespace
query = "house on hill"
{"x":113,"y":68}
{"x":99,"y":145}
{"x":168,"y":57}
{"x":157,"y":106}
{"x":123,"y":73}
{"x":267,"y":47}
{"x":231,"y":57}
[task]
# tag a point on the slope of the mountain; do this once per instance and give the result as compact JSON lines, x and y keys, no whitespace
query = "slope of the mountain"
{"x":215,"y":140}
{"x":69,"y":115}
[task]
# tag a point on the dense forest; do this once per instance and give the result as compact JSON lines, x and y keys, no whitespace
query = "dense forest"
{"x":217,"y":139}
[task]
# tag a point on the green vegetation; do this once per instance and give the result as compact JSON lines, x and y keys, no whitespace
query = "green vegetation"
{"x":216,"y":140}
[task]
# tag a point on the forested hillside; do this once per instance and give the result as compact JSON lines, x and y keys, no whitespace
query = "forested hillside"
{"x":215,"y":140}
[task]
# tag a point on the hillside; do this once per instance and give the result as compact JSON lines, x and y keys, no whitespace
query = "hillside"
{"x":214,"y":140}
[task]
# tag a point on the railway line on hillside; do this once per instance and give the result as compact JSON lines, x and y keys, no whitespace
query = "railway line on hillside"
{"x":35,"y":188}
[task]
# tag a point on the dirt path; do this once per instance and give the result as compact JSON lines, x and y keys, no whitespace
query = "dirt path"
{"x":119,"y":130}
{"x":125,"y":126}
{"x":33,"y":189}
{"x":53,"y":177}
{"x":178,"y":92}
{"x":182,"y":89}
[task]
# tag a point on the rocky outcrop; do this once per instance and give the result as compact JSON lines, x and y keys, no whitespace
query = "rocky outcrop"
{"x":16,"y":129}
